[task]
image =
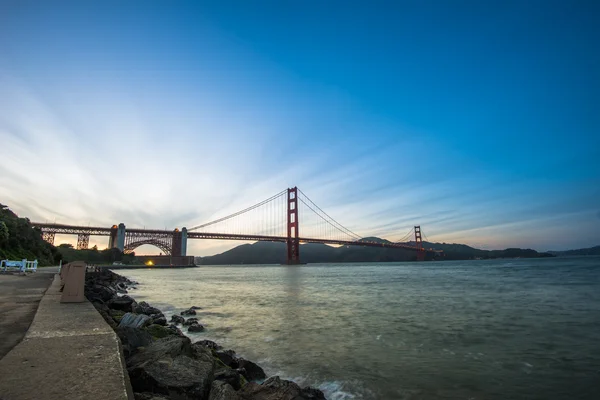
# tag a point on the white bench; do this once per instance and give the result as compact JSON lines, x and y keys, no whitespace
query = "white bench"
{"x":22,"y":266}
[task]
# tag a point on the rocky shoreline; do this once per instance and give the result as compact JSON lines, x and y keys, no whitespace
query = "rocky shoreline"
{"x":163,"y":363}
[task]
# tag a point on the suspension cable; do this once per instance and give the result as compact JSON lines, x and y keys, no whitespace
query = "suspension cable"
{"x":239,"y":212}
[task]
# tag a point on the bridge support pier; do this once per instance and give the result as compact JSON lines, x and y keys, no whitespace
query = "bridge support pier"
{"x":293,"y":244}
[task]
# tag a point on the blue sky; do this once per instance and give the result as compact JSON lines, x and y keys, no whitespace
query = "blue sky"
{"x":480,"y":121}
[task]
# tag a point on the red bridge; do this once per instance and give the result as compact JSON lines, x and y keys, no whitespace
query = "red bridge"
{"x":276,"y":219}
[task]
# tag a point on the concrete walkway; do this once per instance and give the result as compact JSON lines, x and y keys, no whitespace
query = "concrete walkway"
{"x":69,"y":352}
{"x":19,"y":299}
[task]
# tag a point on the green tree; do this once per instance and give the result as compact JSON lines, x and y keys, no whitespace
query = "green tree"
{"x":3,"y":233}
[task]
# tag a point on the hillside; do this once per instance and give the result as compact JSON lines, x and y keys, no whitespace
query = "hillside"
{"x":19,"y":240}
{"x":590,"y":251}
{"x":274,"y":253}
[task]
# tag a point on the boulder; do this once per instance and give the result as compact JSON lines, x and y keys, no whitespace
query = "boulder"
{"x":311,"y":393}
{"x":135,"y":320}
{"x":196,"y":327}
{"x":132,"y":339}
{"x":104,"y":292}
{"x":171,"y":367}
{"x":180,"y":377}
{"x":170,"y":346}
{"x":230,"y":376}
{"x":175,"y":330}
{"x":190,"y":321}
{"x":189,"y":311}
{"x":124,"y":303}
{"x":145,"y":308}
{"x":227,"y":357}
{"x":159,"y":331}
{"x":117,"y":315}
{"x":276,"y":388}
{"x":109,"y":320}
{"x":208,"y":343}
{"x":222,"y":391}
{"x":250,"y":370}
{"x":159,"y":319}
{"x":100,"y":306}
{"x":149,"y":396}
{"x":177,"y":319}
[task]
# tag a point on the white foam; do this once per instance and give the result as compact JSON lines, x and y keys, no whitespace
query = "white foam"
{"x":333,"y":391}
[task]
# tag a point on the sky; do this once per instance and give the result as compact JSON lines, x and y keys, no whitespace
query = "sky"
{"x":477,"y":120}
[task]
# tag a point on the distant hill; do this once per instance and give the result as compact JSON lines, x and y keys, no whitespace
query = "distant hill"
{"x":590,"y":251}
{"x":274,"y":253}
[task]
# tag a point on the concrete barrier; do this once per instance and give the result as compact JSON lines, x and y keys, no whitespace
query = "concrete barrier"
{"x":73,"y":280}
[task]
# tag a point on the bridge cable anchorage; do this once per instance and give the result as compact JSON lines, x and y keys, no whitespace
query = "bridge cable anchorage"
{"x":234,"y":224}
{"x":333,"y":224}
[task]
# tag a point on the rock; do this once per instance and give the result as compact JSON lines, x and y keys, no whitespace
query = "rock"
{"x":135,"y":320}
{"x":177,"y":319}
{"x":276,"y":388}
{"x":222,"y":391}
{"x":231,"y":376}
{"x":208,"y":343}
{"x":117,"y":315}
{"x":94,"y":297}
{"x":145,"y":308}
{"x":149,"y":396}
{"x":190,"y":321}
{"x":159,"y":331}
{"x":196,"y":327}
{"x":170,"y":346}
{"x":159,"y":319}
{"x":195,"y":308}
{"x":167,"y":366}
{"x":101,"y":306}
{"x":227,"y":357}
{"x":132,"y":339}
{"x":109,"y":320}
{"x":189,"y":311}
{"x":310,"y":393}
{"x":104,"y":292}
{"x":181,"y":377}
{"x":124,"y":303}
{"x":175,"y":330}
{"x":251,"y":370}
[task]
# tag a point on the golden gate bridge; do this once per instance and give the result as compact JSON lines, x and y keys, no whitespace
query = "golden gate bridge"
{"x":289,"y":216}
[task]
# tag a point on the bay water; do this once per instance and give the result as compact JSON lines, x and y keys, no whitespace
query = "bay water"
{"x":489,"y":329}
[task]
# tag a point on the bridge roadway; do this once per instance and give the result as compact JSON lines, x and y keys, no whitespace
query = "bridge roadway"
{"x":102,"y":231}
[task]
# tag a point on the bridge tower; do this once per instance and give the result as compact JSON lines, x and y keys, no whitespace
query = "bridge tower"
{"x":112,"y":238}
{"x":419,"y":244}
{"x":117,"y":237}
{"x":176,"y":243}
{"x":184,"y":241}
{"x":293,"y":243}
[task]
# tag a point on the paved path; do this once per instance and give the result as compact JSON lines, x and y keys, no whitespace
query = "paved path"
{"x":19,"y":299}
{"x":69,"y":352}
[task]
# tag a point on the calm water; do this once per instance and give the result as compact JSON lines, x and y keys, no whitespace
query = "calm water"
{"x":500,"y":329}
